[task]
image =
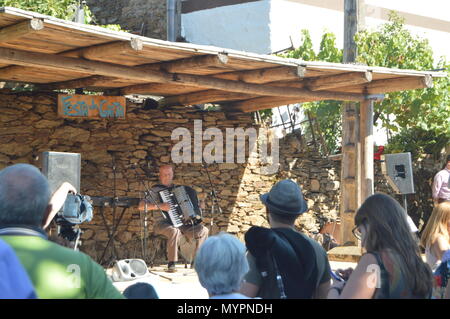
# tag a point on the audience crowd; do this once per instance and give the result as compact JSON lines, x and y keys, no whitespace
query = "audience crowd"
{"x":279,"y":262}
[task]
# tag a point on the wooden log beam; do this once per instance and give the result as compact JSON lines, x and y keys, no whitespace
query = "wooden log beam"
{"x":339,"y":80}
{"x":210,"y":96}
{"x":77,"y":83}
{"x":265,"y":75}
{"x":254,"y":76}
{"x":104,"y":50}
{"x":154,"y":88}
{"x":200,"y":61}
{"x":60,"y":63}
{"x":279,"y":73}
{"x":261,"y":103}
{"x":392,"y":85}
{"x":186,"y":65}
{"x":18,"y":30}
{"x":258,"y":89}
{"x":207,"y":96}
{"x":90,"y":53}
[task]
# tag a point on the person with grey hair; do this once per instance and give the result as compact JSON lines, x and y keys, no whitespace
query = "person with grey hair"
{"x":221,"y":265}
{"x":26,"y":206}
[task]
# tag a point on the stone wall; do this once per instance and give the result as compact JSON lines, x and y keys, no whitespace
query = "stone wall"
{"x":133,"y":15}
{"x":29,"y":125}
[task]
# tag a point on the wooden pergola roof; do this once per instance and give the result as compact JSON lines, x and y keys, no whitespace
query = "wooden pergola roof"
{"x":58,"y":54}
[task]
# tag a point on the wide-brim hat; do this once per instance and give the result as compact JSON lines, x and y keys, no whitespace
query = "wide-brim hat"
{"x":285,"y":197}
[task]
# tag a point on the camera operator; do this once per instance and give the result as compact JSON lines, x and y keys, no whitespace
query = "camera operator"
{"x":57,"y":200}
{"x":55,"y":271}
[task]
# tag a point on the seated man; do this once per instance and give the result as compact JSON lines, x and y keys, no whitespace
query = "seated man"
{"x":55,"y":271}
{"x":163,"y":224}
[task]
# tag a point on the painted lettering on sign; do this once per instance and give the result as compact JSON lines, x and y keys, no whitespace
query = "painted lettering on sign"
{"x":91,"y":106}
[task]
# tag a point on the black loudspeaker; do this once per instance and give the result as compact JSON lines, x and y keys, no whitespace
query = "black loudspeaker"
{"x":61,"y":167}
{"x":129,"y":269}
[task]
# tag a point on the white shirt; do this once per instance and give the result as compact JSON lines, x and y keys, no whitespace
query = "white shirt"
{"x":441,"y":185}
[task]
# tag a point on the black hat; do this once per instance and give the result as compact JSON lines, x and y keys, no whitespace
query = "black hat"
{"x":285,"y":197}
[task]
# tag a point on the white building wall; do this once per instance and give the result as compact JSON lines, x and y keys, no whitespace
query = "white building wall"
{"x":289,"y":18}
{"x":244,"y":27}
{"x":266,"y":26}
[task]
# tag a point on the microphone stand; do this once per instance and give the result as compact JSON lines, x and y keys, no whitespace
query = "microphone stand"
{"x":215,"y":202}
{"x":114,"y":252}
{"x":147,"y":193}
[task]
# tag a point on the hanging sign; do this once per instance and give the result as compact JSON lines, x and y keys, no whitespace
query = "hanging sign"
{"x":91,"y":106}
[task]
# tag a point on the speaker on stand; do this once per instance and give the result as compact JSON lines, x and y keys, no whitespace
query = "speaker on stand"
{"x":61,"y":167}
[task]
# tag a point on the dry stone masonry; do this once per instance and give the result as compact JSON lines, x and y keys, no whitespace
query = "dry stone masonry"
{"x":29,"y":125}
{"x":143,"y":17}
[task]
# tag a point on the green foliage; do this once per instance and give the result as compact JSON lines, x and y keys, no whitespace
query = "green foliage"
{"x":61,"y":9}
{"x":422,"y":113}
{"x":417,"y":141}
{"x":327,"y":113}
{"x":305,"y":51}
{"x":393,"y":46}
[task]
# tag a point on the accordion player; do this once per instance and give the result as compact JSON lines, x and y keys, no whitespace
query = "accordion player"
{"x":183,"y":202}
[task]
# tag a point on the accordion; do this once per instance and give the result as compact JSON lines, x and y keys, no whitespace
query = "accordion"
{"x":183,"y":203}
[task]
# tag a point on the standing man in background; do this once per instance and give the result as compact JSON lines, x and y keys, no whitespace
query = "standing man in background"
{"x":441,"y":184}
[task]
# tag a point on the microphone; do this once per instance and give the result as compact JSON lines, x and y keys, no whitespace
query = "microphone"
{"x":149,"y":159}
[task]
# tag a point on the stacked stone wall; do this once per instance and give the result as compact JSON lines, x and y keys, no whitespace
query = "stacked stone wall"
{"x":29,"y":125}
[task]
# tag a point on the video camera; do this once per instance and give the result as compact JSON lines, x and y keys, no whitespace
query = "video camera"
{"x":76,"y":210}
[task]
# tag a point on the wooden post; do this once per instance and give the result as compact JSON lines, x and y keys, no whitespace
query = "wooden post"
{"x":350,"y":170}
{"x":366,"y":140}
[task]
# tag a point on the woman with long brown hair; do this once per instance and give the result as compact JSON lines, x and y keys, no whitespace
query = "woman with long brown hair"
{"x":392,"y":267}
{"x":436,"y":235}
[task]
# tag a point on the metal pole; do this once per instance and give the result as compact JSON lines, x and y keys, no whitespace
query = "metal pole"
{"x":79,"y":12}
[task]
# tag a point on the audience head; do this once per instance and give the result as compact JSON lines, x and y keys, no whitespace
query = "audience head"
{"x":284,"y":202}
{"x":383,"y":224}
{"x":438,"y":224}
{"x":140,"y":290}
{"x":24,"y":196}
{"x":221,"y":264}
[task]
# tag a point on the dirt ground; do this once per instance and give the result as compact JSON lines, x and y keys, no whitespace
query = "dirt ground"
{"x":184,"y":283}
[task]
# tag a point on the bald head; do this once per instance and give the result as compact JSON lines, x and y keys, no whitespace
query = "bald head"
{"x":24,"y":195}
